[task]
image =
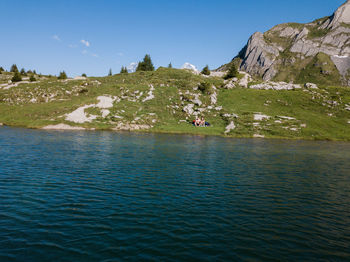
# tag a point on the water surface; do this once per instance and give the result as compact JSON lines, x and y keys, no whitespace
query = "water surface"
{"x":103,"y":196}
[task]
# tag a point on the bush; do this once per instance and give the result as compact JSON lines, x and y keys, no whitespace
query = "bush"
{"x":205,"y":88}
{"x":14,"y":68}
{"x":146,"y":64}
{"x":83,"y":75}
{"x":32,"y":78}
{"x":232,"y":72}
{"x":206,"y":70}
{"x":62,"y":76}
{"x":16,"y":77}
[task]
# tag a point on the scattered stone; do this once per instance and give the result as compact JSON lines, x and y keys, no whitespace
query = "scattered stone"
{"x":189,"y":109}
{"x":269,"y":85}
{"x":230,"y":127}
{"x":311,"y":86}
{"x":63,"y":127}
{"x":260,"y":117}
{"x":150,"y":95}
{"x":303,"y":125}
{"x":286,"y":117}
{"x":130,"y":127}
{"x":258,"y":136}
{"x":245,"y":80}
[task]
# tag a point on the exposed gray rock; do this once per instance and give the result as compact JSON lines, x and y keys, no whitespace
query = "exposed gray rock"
{"x":262,"y":54}
{"x":311,"y":86}
{"x":259,"y":56}
{"x":275,"y":86}
{"x":230,"y":127}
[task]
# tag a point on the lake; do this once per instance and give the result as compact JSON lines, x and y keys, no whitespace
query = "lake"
{"x":104,"y":196}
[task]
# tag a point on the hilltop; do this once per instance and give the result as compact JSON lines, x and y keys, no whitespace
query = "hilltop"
{"x":317,"y":52}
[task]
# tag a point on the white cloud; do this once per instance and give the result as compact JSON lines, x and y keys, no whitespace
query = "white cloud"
{"x":85,"y":42}
{"x":56,"y":37}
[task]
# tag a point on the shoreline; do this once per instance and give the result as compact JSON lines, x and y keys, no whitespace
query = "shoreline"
{"x":65,"y":128}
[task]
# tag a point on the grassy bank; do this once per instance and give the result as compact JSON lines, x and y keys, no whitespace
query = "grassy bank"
{"x":160,"y":100}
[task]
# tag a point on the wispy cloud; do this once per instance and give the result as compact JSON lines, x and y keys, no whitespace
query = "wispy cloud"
{"x":120,"y":54}
{"x":85,"y":42}
{"x":72,"y":46}
{"x":84,"y":52}
{"x":56,"y":37}
{"x":95,"y":55}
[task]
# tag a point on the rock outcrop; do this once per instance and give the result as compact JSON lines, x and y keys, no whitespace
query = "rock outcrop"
{"x":283,"y":52}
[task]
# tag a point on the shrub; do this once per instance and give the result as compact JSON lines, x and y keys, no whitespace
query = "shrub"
{"x":206,"y":70}
{"x":205,"y":88}
{"x":32,"y":78}
{"x":83,"y":75}
{"x":146,"y":64}
{"x":62,"y":75}
{"x":14,"y":68}
{"x":232,"y":72}
{"x":16,"y":77}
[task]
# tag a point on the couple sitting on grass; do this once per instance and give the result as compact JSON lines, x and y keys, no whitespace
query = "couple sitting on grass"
{"x":200,"y":121}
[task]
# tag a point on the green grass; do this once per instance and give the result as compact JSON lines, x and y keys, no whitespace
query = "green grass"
{"x":165,"y":112}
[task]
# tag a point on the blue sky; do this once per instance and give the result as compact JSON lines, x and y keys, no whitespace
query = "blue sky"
{"x":92,"y":36}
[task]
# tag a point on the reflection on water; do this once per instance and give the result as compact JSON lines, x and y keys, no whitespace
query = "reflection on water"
{"x":103,"y":196}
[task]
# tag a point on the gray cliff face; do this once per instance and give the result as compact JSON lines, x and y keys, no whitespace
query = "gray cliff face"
{"x":265,"y":53}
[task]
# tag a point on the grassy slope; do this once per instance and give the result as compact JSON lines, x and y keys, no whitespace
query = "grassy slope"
{"x":311,"y":109}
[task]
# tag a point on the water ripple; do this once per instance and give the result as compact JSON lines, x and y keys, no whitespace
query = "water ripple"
{"x":101,"y":196}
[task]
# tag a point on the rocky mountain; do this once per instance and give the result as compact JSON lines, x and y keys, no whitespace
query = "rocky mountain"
{"x":316,"y":52}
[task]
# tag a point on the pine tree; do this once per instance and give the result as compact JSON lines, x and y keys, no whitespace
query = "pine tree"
{"x":232,"y":72}
{"x":23,"y":72}
{"x":29,"y":72}
{"x":170,"y":66}
{"x":16,"y":77}
{"x":146,"y":64}
{"x":110,"y":72}
{"x":62,"y":75}
{"x":34,"y":72}
{"x":206,"y":70}
{"x":14,"y":68}
{"x":83,"y":75}
{"x":1,"y":69}
{"x":32,"y":78}
{"x":124,"y":70}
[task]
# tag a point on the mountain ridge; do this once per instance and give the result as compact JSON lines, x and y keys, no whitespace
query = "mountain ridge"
{"x":286,"y":50}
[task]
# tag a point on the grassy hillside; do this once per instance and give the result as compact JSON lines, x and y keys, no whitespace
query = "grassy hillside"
{"x":159,"y":100}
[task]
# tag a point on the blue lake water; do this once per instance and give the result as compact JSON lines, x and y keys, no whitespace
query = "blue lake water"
{"x":104,"y":196}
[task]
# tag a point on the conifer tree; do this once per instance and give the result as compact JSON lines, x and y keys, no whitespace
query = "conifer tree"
{"x":146,"y":64}
{"x":110,"y":72}
{"x":23,"y":72}
{"x":83,"y":75}
{"x":62,"y":76}
{"x":232,"y":72}
{"x":170,"y":65}
{"x":16,"y":77}
{"x":1,"y":69}
{"x":14,"y":68}
{"x":34,"y":72}
{"x":124,"y":70}
{"x":29,"y":72}
{"x":206,"y":70}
